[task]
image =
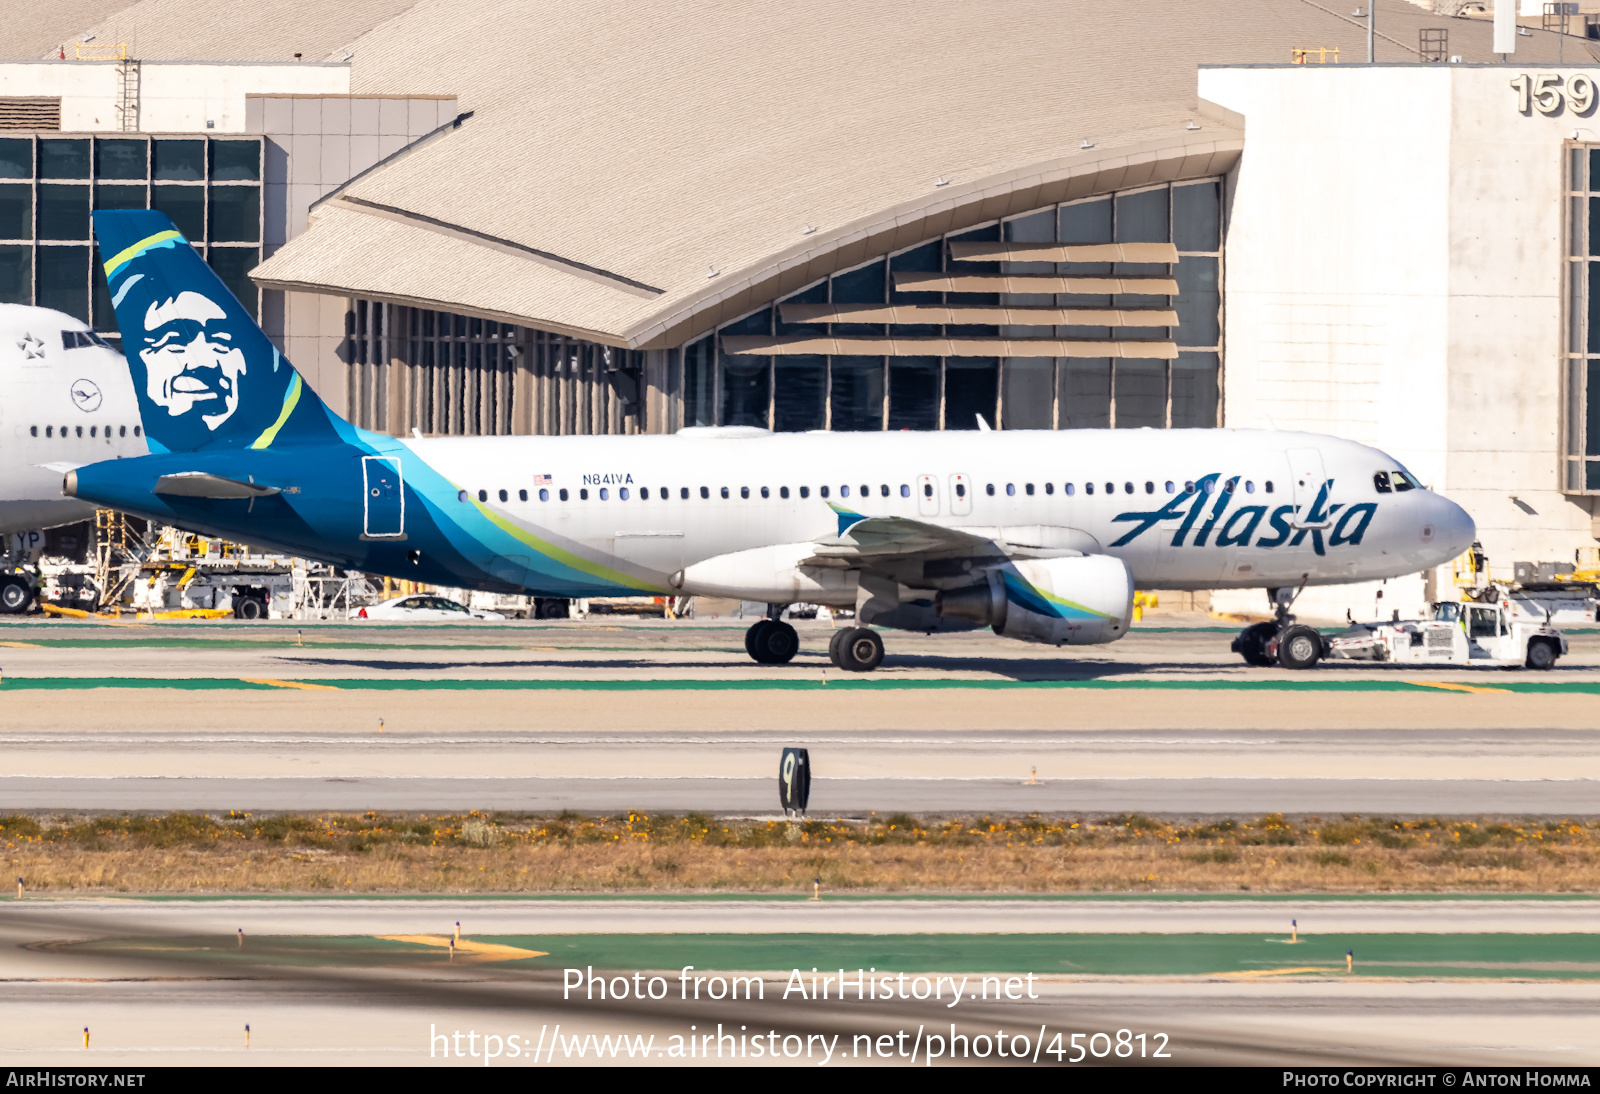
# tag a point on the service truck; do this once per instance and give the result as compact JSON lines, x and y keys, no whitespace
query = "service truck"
{"x":1469,"y":633}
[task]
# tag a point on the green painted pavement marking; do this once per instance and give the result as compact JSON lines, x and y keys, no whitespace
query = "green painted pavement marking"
{"x":1261,"y":955}
{"x":76,"y":683}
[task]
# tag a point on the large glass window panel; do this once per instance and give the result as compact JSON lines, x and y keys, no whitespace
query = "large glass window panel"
{"x":186,"y":205}
{"x":797,"y":399}
{"x":119,"y":196}
{"x":1594,"y":225}
{"x":868,"y":285}
{"x":233,"y":266}
{"x":235,"y":214}
{"x":1594,"y":310}
{"x":16,"y":158}
{"x":1591,"y":416}
{"x":758,"y":323}
{"x":971,"y":387}
{"x":857,"y":393}
{"x":1194,"y":391}
{"x":987,"y":234}
{"x":1084,"y":386}
{"x":816,"y":294}
{"x":1086,"y":222}
{"x":1142,"y":217}
{"x":179,"y":161}
{"x":1197,"y":216}
{"x":1140,"y":393}
{"x":1577,"y":169}
{"x":16,"y":210}
{"x":1028,"y":387}
{"x":16,"y":274}
{"x":103,"y":315}
{"x":1575,"y":236}
{"x":699,"y":384}
{"x":1575,"y":407}
{"x":64,"y":159}
{"x":1591,"y":479}
{"x":63,"y":212}
{"x":120,"y":158}
{"x":1199,"y":301}
{"x":744,"y":390}
{"x":1594,"y":164}
{"x":64,"y":280}
{"x":914,"y":393}
{"x":1575,"y":307}
{"x":235,"y":161}
{"x":923,"y":259}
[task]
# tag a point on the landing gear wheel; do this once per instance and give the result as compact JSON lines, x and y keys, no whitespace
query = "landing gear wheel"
{"x":1541,"y":655}
{"x":753,"y":636}
{"x":1252,"y":643}
{"x":249,"y":607}
{"x":16,"y":597}
{"x":858,"y":649}
{"x":1299,"y":647}
{"x":772,"y":642}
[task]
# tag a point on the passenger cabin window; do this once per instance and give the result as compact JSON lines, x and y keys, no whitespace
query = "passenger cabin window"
{"x":961,"y":490}
{"x":504,"y":496}
{"x":137,"y":430}
{"x":544,"y":494}
{"x":1011,"y":489}
{"x":822,"y":491}
{"x":844,"y":491}
{"x":1268,"y":485}
{"x":605,"y":494}
{"x":461,"y":495}
{"x":989,"y":489}
{"x":1149,"y":488}
{"x":1069,"y":490}
{"x":765,"y":493}
{"x":563,"y":494}
{"x":705,"y":492}
{"x":1171,"y":487}
{"x":33,"y":431}
{"x":783,"y":491}
{"x":483,"y":495}
{"x":744,"y":491}
{"x":1088,"y":488}
{"x":622,"y":493}
{"x":583,"y":495}
{"x":1249,"y":487}
{"x":1027,"y":488}
{"x":724,"y":491}
{"x":805,"y":491}
{"x":1049,"y":488}
{"x":885,"y":491}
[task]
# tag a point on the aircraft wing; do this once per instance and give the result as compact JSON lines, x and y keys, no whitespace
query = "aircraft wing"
{"x":199,"y":484}
{"x":885,"y":538}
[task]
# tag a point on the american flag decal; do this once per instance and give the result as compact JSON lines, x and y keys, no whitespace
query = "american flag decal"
{"x":542,"y":480}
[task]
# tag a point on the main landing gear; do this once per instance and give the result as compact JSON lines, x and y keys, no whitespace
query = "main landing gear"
{"x":856,"y":649}
{"x":1283,"y":641}
{"x":771,"y":642}
{"x":853,"y":649}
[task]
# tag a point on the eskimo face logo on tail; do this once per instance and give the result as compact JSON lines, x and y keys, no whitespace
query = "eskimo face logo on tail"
{"x":190,"y":360}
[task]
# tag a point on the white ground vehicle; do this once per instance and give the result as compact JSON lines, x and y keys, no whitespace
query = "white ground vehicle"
{"x":422,"y":609}
{"x":1458,"y":634}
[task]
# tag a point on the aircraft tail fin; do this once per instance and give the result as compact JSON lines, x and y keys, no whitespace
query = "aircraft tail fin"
{"x":206,"y":375}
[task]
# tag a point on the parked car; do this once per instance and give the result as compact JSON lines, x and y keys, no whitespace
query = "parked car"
{"x":423,"y":609}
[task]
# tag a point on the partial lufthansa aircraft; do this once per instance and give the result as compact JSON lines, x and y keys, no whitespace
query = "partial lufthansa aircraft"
{"x":1040,"y":535}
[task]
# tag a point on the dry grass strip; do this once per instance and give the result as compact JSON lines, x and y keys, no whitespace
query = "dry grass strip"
{"x":516,"y":853}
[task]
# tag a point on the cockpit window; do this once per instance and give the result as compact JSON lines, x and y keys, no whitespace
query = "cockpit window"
{"x":1401,"y":481}
{"x":1380,"y":482}
{"x":75,"y":339}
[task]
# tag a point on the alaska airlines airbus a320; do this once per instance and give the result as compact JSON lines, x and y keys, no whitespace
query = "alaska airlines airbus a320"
{"x":1040,"y":535}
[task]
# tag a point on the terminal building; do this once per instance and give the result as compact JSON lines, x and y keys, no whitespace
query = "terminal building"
{"x":518,"y":216}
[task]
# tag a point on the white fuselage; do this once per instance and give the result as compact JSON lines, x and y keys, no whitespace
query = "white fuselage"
{"x":625,"y":499}
{"x":65,"y":399}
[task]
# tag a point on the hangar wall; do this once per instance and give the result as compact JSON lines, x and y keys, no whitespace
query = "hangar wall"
{"x":1395,"y":275}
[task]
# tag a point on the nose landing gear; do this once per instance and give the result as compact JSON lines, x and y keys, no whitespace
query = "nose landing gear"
{"x":1283,"y":641}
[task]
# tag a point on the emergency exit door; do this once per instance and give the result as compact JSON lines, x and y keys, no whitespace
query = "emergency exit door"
{"x":384,"y":499}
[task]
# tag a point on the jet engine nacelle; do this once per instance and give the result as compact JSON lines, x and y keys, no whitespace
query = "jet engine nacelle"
{"x":1059,"y":601}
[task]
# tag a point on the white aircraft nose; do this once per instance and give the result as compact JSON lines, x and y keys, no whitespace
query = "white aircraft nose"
{"x":1452,"y":526}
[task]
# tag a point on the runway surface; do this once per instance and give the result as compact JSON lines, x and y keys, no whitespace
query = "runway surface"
{"x":140,"y":976}
{"x":601,"y":717}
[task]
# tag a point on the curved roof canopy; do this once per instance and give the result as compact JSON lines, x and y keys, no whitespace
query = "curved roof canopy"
{"x":639,"y":179}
